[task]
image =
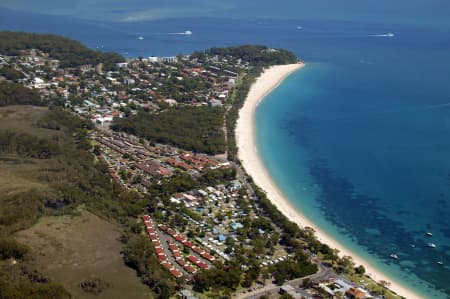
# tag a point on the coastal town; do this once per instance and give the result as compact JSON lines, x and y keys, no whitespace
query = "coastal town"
{"x":152,"y":83}
{"x":207,"y":223}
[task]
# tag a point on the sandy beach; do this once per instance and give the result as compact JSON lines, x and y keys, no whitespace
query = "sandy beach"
{"x":248,"y":154}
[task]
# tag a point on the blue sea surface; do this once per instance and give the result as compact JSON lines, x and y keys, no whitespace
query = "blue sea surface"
{"x":358,"y":139}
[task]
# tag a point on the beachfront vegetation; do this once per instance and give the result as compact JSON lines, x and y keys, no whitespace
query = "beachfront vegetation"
{"x":69,"y":52}
{"x":300,"y":266}
{"x":193,"y":128}
{"x":261,"y":57}
{"x":232,"y":115}
{"x":257,"y":56}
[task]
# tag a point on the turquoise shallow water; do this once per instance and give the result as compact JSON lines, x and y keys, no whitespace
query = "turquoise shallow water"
{"x":358,"y":139}
{"x":374,"y":178}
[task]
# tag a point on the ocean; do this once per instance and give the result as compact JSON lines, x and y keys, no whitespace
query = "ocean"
{"x":358,"y":139}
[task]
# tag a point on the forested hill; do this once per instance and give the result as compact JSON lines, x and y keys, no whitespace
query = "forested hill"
{"x":256,"y":55}
{"x":69,"y":52}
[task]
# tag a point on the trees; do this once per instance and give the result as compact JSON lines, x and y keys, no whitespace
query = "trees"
{"x":24,"y":289}
{"x":256,"y":55}
{"x":139,"y":255}
{"x":193,"y":128}
{"x":10,"y":73}
{"x":69,"y":52}
{"x":214,"y":176}
{"x":9,"y":248}
{"x":27,"y":145}
{"x":220,"y":278}
{"x":17,"y":94}
{"x":307,"y":283}
{"x":69,"y":178}
{"x":360,"y":270}
{"x":289,"y":269}
{"x":345,"y":265}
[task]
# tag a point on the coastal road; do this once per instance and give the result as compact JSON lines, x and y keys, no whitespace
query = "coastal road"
{"x":241,"y":176}
{"x":324,"y":274}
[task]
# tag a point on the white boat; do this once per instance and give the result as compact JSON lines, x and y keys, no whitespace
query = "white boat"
{"x":431,"y":245}
{"x":389,"y":34}
{"x":140,"y":38}
{"x":394,"y":256}
{"x":188,"y":32}
{"x":429,"y":234}
{"x":440,"y":263}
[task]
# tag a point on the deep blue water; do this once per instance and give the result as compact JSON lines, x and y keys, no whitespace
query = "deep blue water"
{"x":358,"y":139}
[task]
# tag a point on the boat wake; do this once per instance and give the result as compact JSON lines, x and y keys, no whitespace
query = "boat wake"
{"x":187,"y":32}
{"x":435,"y":106}
{"x":389,"y":34}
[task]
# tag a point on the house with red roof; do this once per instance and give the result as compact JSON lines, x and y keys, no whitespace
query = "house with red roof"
{"x":173,"y":247}
{"x":190,"y":269}
{"x":355,"y":293}
{"x":193,"y":259}
{"x":202,"y":265}
{"x":198,"y":250}
{"x":176,"y":273}
{"x":181,"y":262}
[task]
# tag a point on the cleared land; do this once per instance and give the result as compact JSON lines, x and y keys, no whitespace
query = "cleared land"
{"x":18,"y":173}
{"x":68,"y":244}
{"x":74,"y":249}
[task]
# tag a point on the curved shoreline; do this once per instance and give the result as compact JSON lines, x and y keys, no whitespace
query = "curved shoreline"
{"x":248,"y":154}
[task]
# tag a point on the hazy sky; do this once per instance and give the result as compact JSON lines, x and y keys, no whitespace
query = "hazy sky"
{"x":420,"y":11}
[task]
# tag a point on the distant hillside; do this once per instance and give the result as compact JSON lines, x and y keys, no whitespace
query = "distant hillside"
{"x":69,"y":52}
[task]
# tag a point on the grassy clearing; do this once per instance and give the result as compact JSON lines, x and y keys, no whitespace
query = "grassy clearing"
{"x":46,"y":172}
{"x":18,"y":173}
{"x":72,"y":249}
{"x":23,"y":118}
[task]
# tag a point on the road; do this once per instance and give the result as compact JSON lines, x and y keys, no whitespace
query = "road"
{"x":241,"y":176}
{"x":324,"y":274}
